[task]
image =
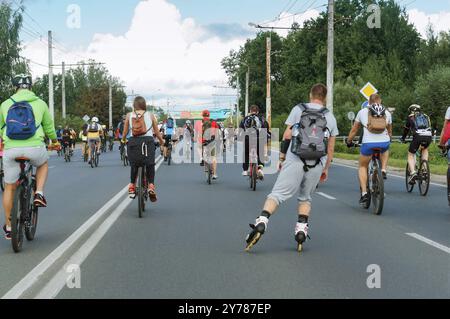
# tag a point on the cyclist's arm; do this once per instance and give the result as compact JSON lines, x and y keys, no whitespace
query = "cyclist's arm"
{"x":354,"y":131}
{"x":48,"y":125}
{"x":443,"y":131}
{"x":126,"y":127}
{"x":406,"y":129}
{"x":389,"y":129}
{"x":2,"y":122}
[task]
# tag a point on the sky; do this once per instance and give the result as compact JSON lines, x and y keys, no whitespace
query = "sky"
{"x":170,"y":50}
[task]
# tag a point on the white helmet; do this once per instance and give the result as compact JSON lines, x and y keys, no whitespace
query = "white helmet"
{"x":188,"y":122}
{"x":95,"y":119}
{"x":377,"y":110}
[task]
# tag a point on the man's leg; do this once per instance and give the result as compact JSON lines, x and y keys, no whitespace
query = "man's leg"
{"x":41,"y":178}
{"x":425,"y":154}
{"x":384,"y":161}
{"x":412,"y":162}
{"x":8,"y":198}
{"x":363,"y":168}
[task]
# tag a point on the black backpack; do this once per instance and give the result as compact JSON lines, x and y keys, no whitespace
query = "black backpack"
{"x":309,"y":140}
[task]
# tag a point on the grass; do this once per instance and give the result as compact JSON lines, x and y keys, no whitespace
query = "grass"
{"x":398,"y":157}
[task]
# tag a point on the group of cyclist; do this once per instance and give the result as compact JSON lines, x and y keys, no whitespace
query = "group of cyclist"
{"x":306,"y":152}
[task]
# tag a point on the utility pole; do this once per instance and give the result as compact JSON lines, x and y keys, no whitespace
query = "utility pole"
{"x":268,"y":65}
{"x":51,"y":101}
{"x":238,"y":99}
{"x":63,"y":95}
{"x":330,"y":59}
{"x":110,"y":106}
{"x":247,"y":83}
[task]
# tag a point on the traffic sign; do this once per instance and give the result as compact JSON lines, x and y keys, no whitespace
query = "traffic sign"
{"x":86,"y":118}
{"x":351,"y":116}
{"x":368,"y":90}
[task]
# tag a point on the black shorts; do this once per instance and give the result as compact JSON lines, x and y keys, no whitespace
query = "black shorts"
{"x":141,"y":151}
{"x":168,"y":139}
{"x":419,"y":141}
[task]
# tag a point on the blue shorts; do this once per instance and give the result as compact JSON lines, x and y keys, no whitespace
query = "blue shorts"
{"x":368,"y":149}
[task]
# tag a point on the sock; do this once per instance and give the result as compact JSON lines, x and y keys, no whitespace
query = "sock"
{"x":303,"y":219}
{"x":40,"y":193}
{"x":364,"y":194}
{"x":266,"y":214}
{"x":8,"y":228}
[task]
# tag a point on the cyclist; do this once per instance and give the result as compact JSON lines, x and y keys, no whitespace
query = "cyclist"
{"x":32,"y":148}
{"x":377,"y":123}
{"x":140,"y":125}
{"x":94,"y":134}
{"x":297,"y":172}
{"x":419,"y":125}
{"x":169,"y":133}
{"x":251,"y":124}
{"x":73,"y":139}
{"x":66,"y":137}
{"x":209,"y":132}
{"x":188,"y":136}
{"x":83,"y":137}
{"x":104,"y":137}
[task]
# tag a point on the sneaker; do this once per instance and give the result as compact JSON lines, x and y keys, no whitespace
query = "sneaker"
{"x":215,"y":177}
{"x":39,"y":201}
{"x":132,"y":191}
{"x":364,"y":200}
{"x":202,"y":163}
{"x":152,"y":193}
{"x":245,"y":173}
{"x":412,"y":179}
{"x":384,"y":175}
{"x":7,"y":233}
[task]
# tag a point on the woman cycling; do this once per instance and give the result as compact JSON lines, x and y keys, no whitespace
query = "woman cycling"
{"x":141,"y":146}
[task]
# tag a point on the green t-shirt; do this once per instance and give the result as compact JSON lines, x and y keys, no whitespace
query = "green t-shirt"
{"x":42,"y":118}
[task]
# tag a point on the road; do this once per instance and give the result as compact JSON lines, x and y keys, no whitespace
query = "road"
{"x":191,"y":243}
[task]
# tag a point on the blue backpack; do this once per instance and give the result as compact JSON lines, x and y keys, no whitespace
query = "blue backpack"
{"x":170,"y":124}
{"x":20,"y":122}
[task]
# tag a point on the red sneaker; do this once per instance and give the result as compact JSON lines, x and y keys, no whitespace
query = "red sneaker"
{"x":132,"y":191}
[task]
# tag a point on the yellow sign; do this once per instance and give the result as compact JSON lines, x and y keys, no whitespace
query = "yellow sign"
{"x":368,"y":90}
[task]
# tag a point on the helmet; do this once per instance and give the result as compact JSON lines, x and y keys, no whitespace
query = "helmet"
{"x":414,"y":108}
{"x":95,"y":119}
{"x":206,"y":113}
{"x":188,"y":122}
{"x":104,"y":127}
{"x":377,"y":110}
{"x":22,"y":81}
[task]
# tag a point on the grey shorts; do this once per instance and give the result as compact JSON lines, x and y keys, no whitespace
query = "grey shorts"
{"x":38,"y":156}
{"x":93,"y":140}
{"x":293,"y":179}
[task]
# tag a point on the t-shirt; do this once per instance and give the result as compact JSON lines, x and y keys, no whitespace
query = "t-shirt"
{"x":295,"y":118}
{"x":363,"y":118}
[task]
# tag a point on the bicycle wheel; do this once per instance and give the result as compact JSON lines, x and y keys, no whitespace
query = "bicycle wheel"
{"x":424,"y":178}
{"x":2,"y":179}
{"x":93,"y":155}
{"x":253,"y":177}
{"x":140,"y":193}
{"x":32,"y":216}
{"x":17,"y":222}
{"x":409,"y":187}
{"x":377,"y":189}
{"x":208,"y":173}
{"x":97,"y":158}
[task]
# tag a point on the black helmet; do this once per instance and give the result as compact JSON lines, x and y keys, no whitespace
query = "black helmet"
{"x":377,"y":110}
{"x":22,"y":81}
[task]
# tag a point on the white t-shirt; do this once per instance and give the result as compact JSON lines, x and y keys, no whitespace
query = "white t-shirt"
{"x":447,"y":114}
{"x":295,"y":117}
{"x":363,"y":118}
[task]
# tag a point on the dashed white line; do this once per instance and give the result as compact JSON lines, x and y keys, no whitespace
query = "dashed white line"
{"x":325,"y":195}
{"x":430,"y":242}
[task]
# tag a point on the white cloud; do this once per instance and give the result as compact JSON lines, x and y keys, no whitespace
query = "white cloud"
{"x":160,"y":51}
{"x":440,"y":21}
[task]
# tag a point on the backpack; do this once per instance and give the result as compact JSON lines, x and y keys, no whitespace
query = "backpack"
{"x":253,"y":121}
{"x":206,"y":128}
{"x":138,"y":125}
{"x":93,"y":128}
{"x":376,"y":125}
{"x":20,"y":122}
{"x":422,"y":125}
{"x":309,"y":139}
{"x":170,"y":124}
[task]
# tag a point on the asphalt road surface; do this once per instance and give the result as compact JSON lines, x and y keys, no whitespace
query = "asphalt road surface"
{"x":191,"y":243}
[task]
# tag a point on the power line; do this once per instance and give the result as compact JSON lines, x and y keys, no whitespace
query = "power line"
{"x":296,"y":14}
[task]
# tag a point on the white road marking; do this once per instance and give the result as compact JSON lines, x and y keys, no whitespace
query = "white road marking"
{"x":58,"y":282}
{"x":430,"y":242}
{"x":33,"y":276}
{"x":325,"y":195}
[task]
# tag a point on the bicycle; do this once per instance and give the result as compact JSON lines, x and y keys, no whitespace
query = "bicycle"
{"x":124,"y":153}
{"x":208,"y":164}
{"x":2,"y":175}
{"x":24,"y":215}
{"x":67,"y":152}
{"x":94,"y":156}
{"x":142,"y":190}
{"x":423,"y":175}
{"x":253,"y":171}
{"x":169,"y":153}
{"x":86,"y":152}
{"x":375,"y":183}
{"x":111,"y":145}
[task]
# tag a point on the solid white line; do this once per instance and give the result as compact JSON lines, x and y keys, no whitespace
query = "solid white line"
{"x":430,"y":242}
{"x":58,"y":282}
{"x":33,"y":276}
{"x":325,"y":195}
